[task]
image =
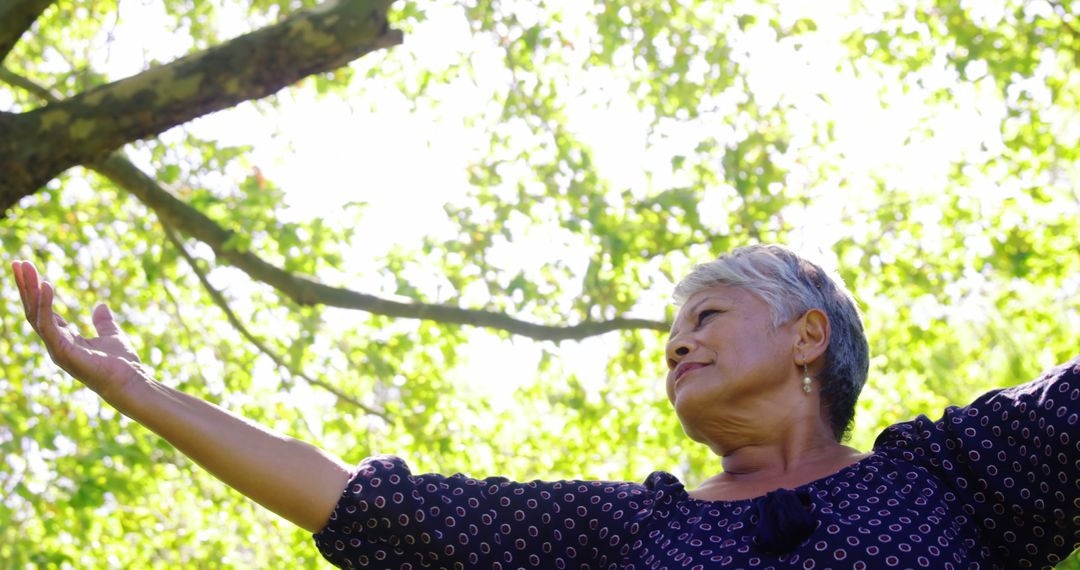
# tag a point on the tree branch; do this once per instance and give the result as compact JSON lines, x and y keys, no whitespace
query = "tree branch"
{"x":15,"y":80}
{"x":178,"y":314}
{"x":38,"y":145}
{"x":16,"y":17}
{"x":305,"y":291}
{"x":223,"y":304}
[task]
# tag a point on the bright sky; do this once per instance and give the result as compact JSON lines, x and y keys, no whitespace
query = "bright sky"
{"x":406,"y":165}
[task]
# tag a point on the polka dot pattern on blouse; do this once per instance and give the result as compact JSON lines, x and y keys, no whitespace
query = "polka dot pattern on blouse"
{"x":990,"y":485}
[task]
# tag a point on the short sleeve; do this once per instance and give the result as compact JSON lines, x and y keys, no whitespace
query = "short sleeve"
{"x":1013,"y":458}
{"x":389,"y":518}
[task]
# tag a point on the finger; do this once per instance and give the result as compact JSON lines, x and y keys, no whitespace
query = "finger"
{"x":104,"y":322}
{"x":57,"y":343}
{"x":16,"y":268}
{"x":30,"y":283}
{"x":46,"y":323}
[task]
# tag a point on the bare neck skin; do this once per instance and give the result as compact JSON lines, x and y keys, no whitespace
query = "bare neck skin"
{"x":795,"y":453}
{"x":762,"y":449}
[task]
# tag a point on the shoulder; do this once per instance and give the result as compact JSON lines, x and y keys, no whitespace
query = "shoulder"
{"x":1052,"y":399}
{"x":1061,"y":382}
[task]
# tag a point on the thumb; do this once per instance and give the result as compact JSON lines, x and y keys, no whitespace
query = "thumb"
{"x":104,"y":322}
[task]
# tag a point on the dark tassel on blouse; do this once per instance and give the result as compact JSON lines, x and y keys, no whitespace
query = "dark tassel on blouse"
{"x":784,"y":521}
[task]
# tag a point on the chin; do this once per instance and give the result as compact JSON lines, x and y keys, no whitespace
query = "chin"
{"x":690,"y":431}
{"x":692,"y":406}
{"x":696,"y":436}
{"x":693,"y":435}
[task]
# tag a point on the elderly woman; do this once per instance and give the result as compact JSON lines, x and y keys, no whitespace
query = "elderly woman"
{"x":766,"y":359}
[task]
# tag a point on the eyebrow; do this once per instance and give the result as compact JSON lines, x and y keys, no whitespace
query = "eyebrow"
{"x":671,"y":335}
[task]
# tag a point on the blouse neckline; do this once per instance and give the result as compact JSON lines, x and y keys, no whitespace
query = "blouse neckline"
{"x":677,"y":490}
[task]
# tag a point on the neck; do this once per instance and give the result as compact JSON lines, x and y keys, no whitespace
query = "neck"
{"x":795,"y":444}
{"x":782,"y":459}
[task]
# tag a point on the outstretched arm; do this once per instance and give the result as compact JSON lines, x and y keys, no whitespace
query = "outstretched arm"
{"x":294,"y":479}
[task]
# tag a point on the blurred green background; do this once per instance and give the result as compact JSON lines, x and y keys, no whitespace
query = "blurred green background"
{"x":553,"y":162}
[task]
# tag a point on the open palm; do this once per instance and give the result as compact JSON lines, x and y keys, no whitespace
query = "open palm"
{"x":106,"y":364}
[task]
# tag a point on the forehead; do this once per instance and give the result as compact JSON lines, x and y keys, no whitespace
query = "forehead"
{"x":717,"y":293}
{"x":726,"y":294}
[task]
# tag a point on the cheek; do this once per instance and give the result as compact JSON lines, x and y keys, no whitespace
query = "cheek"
{"x":753,"y":344}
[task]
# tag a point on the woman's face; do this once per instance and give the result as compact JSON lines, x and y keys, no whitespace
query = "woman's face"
{"x":727,"y":368}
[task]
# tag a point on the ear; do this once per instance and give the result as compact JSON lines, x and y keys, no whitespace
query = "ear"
{"x":812,"y":336}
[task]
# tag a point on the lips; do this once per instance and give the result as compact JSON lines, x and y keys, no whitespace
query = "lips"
{"x":687,"y":367}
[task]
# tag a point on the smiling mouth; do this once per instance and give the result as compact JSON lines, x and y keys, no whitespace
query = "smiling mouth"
{"x":688,"y":368}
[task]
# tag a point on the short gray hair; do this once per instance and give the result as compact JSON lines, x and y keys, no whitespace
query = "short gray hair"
{"x":791,"y":285}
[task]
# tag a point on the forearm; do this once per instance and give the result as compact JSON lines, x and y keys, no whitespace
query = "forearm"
{"x":296,"y":480}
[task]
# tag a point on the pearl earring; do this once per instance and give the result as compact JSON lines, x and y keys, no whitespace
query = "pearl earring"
{"x":806,"y":378}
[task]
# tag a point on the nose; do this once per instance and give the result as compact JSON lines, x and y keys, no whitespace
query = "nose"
{"x":677,"y":348}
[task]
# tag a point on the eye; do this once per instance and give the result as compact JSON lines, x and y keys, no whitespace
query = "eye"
{"x":704,"y":315}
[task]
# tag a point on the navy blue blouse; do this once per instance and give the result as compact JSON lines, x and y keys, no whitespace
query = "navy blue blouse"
{"x":991,"y":485}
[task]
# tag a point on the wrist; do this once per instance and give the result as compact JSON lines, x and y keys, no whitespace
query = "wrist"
{"x":129,"y":390}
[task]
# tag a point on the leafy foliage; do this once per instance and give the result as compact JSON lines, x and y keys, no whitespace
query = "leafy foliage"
{"x":733,"y":127}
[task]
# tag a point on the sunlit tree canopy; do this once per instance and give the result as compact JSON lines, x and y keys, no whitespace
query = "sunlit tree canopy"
{"x":450,"y":230}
